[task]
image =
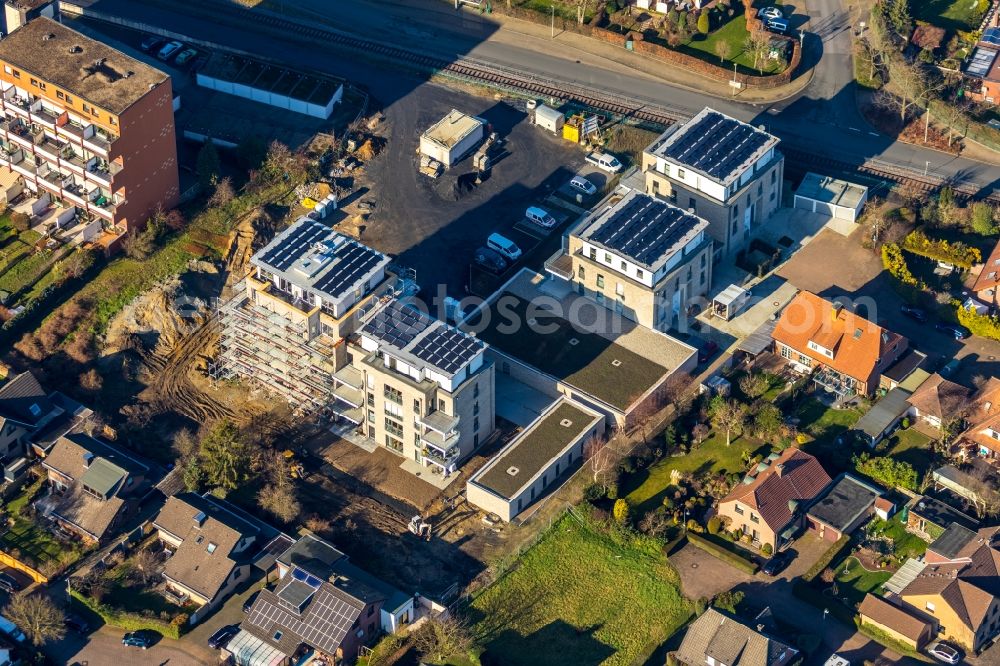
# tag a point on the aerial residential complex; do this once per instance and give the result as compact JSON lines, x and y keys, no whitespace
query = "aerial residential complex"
{"x":87,"y":131}
{"x":721,"y":169}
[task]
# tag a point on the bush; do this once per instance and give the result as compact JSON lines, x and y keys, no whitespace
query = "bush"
{"x":958,"y":254}
{"x":718,"y":550}
{"x":894,"y":262}
{"x":824,"y":561}
{"x":594,"y":491}
{"x":621,"y":511}
{"x":704,"y":23}
{"x":983,"y":219}
{"x":766,"y":549}
{"x":887,"y":471}
{"x":905,"y":422}
{"x":987,"y":326}
{"x":714,"y":524}
{"x":132,"y":621}
{"x":20,"y":221}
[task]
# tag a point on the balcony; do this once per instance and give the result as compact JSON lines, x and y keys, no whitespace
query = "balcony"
{"x":350,"y":376}
{"x":560,"y":265}
{"x":23,"y":134}
{"x":442,"y":460}
{"x":44,"y":117}
{"x":98,"y":143}
{"x":99,"y":173}
{"x":69,"y":159}
{"x":439,"y":441}
{"x":18,"y":105}
{"x":25,"y":166}
{"x":355,"y":415}
{"x":75,"y":193}
{"x":439,"y":421}
{"x":48,"y":148}
{"x":71,"y":131}
{"x":351,"y":396}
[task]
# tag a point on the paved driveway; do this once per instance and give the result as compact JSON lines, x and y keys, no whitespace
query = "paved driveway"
{"x":704,"y":576}
{"x":104,"y":647}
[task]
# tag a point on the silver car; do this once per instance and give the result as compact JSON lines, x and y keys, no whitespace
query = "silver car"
{"x":768,"y":13}
{"x":944,"y":652}
{"x":581,"y":184}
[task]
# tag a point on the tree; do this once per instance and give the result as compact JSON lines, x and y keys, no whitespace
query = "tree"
{"x":438,"y":639}
{"x":91,"y":380}
{"x":602,"y":458}
{"x":887,"y":471}
{"x":898,"y":15}
{"x":225,"y":457}
{"x":20,"y":221}
{"x":139,"y":245}
{"x":621,"y":511}
{"x":77,"y":263}
{"x":704,"y":23}
{"x":767,"y":421}
{"x":207,"y":165}
{"x":729,"y":416}
{"x":754,"y":385}
{"x":185,"y":444}
{"x":723,"y":49}
{"x":983,"y":218}
{"x":144,"y":566}
{"x":758,"y":46}
{"x":280,"y":501}
{"x":37,"y":616}
{"x":728,"y":600}
{"x":714,"y":523}
{"x":699,"y":432}
{"x":194,"y":475}
{"x":223,"y":194}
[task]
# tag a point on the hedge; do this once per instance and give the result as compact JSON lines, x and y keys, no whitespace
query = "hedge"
{"x":894,"y":262}
{"x":735,"y":559}
{"x":987,"y":326}
{"x":811,"y":595}
{"x":957,"y":254}
{"x":130,"y":621}
{"x":824,"y":561}
{"x":888,"y":641}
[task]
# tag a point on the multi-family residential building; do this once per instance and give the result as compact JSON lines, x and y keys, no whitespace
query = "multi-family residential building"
{"x":845,"y":352}
{"x":721,"y":169}
{"x":643,"y":258}
{"x":418,"y":386}
{"x":89,"y":130}
{"x":17,"y":13}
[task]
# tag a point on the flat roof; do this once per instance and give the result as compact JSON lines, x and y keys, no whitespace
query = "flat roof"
{"x":313,"y":256}
{"x":715,"y":145}
{"x":453,"y":128}
{"x":85,"y":67}
{"x":307,"y":87}
{"x":532,"y":450}
{"x":884,"y":413}
{"x":941,"y":514}
{"x":613,"y":367}
{"x":845,"y":500}
{"x":646,"y":230}
{"x":831,"y":191}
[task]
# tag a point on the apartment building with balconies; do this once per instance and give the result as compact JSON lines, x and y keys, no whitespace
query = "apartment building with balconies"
{"x":723,"y":170}
{"x":643,"y":258}
{"x":89,"y":129}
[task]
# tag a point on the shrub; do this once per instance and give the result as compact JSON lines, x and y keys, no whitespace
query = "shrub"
{"x":714,"y":524}
{"x":594,"y":491}
{"x":704,"y":23}
{"x":766,"y":549}
{"x":905,"y":422}
{"x":693,"y":526}
{"x":887,"y":471}
{"x":718,"y":550}
{"x":894,"y":262}
{"x":983,"y":218}
{"x":987,"y":326}
{"x":958,"y":254}
{"x":20,"y":221}
{"x":621,"y":511}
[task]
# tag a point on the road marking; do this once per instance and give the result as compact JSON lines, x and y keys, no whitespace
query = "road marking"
{"x":854,"y":129}
{"x":873,"y":133}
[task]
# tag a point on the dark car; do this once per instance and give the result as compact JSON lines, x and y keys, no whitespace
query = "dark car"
{"x":913,"y":313}
{"x":954,"y":330}
{"x":149,"y":43}
{"x":777,"y":564}
{"x":139,"y":639}
{"x":249,"y":602}
{"x":221,"y":638}
{"x":8,"y":583}
{"x":490,"y":260}
{"x":707,"y":351}
{"x":76,"y":623}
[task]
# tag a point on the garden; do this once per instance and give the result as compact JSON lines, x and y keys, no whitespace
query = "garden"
{"x":28,"y":540}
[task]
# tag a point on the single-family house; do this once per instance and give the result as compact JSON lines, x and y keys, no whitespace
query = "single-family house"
{"x":94,"y":485}
{"x":719,"y":638}
{"x":842,"y":507}
{"x":938,"y":402}
{"x":209,"y":549}
{"x":845,"y":352}
{"x":896,"y":621}
{"x":32,"y":418}
{"x":982,"y":436}
{"x":988,"y":281}
{"x":770,"y":503}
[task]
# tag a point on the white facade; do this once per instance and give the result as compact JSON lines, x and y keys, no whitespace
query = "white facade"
{"x":314,"y":109}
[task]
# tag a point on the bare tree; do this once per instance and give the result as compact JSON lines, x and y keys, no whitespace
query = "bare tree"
{"x":185,"y":444}
{"x":280,"y":501}
{"x":601,"y":456}
{"x":224,"y":193}
{"x":986,"y":498}
{"x":724,"y":50}
{"x":145,"y":565}
{"x":37,"y":616}
{"x":955,"y":119}
{"x":441,"y":638}
{"x":754,"y":385}
{"x":730,"y":416}
{"x":758,"y":45}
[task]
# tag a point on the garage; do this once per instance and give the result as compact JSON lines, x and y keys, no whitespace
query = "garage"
{"x":452,"y":138}
{"x":828,"y":196}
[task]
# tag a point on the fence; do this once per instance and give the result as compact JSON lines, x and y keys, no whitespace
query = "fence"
{"x":9,"y":560}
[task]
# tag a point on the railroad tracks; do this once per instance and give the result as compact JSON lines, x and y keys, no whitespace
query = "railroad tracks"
{"x":630,"y":108}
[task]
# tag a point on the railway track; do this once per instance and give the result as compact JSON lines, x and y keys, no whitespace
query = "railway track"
{"x":631,"y":108}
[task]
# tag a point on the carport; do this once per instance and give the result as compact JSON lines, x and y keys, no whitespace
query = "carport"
{"x":837,"y":198}
{"x":884,"y":416}
{"x":248,"y":650}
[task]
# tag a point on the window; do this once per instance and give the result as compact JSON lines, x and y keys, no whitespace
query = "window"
{"x":7,"y":69}
{"x":393,"y":395}
{"x":278,"y":635}
{"x":772,"y":176}
{"x":86,"y":108}
{"x":393,"y":427}
{"x":371,"y":610}
{"x":680,"y":173}
{"x":34,"y":82}
{"x":739,"y":510}
{"x":371,"y":416}
{"x":475,"y":408}
{"x":620,"y":289}
{"x":754,"y":518}
{"x":624,"y":266}
{"x":17,"y":74}
{"x":607,"y":258}
{"x":771,"y":197}
{"x":416,"y":405}
{"x":475,"y":391}
{"x":786,"y":352}
{"x":760,"y":189}
{"x":930,"y":606}
{"x":212,"y":547}
{"x":475,"y":423}
{"x":93,"y":112}
{"x":394,"y":444}
{"x":593,"y":254}
{"x":805,"y":360}
{"x":734,"y":228}
{"x":692,"y":204}
{"x":371,"y":399}
{"x":703,"y":260}
{"x":702,"y":280}
{"x":69,"y":100}
{"x":639,"y":274}
{"x":440,"y":404}
{"x":580,"y":273}
{"x":475,"y":440}
{"x":112,"y":121}
{"x":60,"y":95}
{"x":600,"y":282}
{"x":199,"y":539}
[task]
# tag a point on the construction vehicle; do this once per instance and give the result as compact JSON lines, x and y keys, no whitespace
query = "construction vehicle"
{"x":295,"y":468}
{"x":420,"y":528}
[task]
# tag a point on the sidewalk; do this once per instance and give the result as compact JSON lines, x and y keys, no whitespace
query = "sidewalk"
{"x":434,"y":25}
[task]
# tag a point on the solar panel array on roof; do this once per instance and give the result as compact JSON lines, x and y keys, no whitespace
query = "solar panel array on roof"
{"x":447,"y":348}
{"x":991,"y":36}
{"x":982,"y":60}
{"x":716,"y":145}
{"x":397,"y":324}
{"x":324,"y":624}
{"x":285,"y":251}
{"x":352,"y":261}
{"x":644,"y":229}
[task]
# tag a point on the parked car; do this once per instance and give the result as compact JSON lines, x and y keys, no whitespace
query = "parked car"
{"x":913,"y":313}
{"x":168,"y":50}
{"x":185,"y":56}
{"x":581,"y":184}
{"x":707,"y":351}
{"x":777,"y":563}
{"x":490,"y":260}
{"x":139,"y":639}
{"x":8,"y":583}
{"x":249,"y":602}
{"x":504,"y":246}
{"x":149,"y":43}
{"x":778,"y":25}
{"x":76,"y":623}
{"x":944,"y":652}
{"x":954,"y":330}
{"x":950,"y":368}
{"x":770,"y":13}
{"x":605,"y":162}
{"x":11,"y":630}
{"x":540,"y":216}
{"x":221,"y":638}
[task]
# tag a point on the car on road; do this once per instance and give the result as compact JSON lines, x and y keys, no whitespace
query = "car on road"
{"x":605,"y":162}
{"x":770,"y":13}
{"x":540,"y":216}
{"x":221,"y":638}
{"x":139,"y":639}
{"x":581,"y":184}
{"x":707,"y":351}
{"x":777,"y":563}
{"x":76,"y":623}
{"x":944,"y":652}
{"x":490,"y":260}
{"x":185,"y":56}
{"x":8,"y":583}
{"x":168,"y":50}
{"x":913,"y":313}
{"x":149,"y":43}
{"x":954,"y":330}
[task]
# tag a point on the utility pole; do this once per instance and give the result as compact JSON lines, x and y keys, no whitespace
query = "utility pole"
{"x":553,"y":24}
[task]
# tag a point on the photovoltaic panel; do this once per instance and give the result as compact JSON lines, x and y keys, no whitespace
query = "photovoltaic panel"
{"x":397,"y":324}
{"x":284,"y":250}
{"x":981,"y":62}
{"x":644,"y":229}
{"x":716,"y":145}
{"x":447,"y":348}
{"x":323,"y":624}
{"x":352,"y":261}
{"x":991,"y":36}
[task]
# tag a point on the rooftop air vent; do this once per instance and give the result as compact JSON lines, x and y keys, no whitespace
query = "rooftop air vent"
{"x":47,"y":36}
{"x":565,"y":423}
{"x":76,"y":48}
{"x":616,"y":363}
{"x":513,"y":471}
{"x":573,"y":342}
{"x":129,"y":74}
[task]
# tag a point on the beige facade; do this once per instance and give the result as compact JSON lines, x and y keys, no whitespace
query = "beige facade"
{"x":951,"y":626}
{"x":743,"y":517}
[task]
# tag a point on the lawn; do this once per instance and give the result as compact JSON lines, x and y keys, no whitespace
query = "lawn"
{"x":577,"y":597}
{"x":950,"y":14}
{"x":854,"y":581}
{"x":904,"y":544}
{"x":645,"y":489}
{"x":824,"y":425}
{"x":913,"y":447}
{"x":566,"y":10}
{"x":30,"y":542}
{"x":735,"y":33}
{"x":24,"y":272}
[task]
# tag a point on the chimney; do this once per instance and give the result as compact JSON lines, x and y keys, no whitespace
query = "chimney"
{"x":88,"y":458}
{"x":199,"y":518}
{"x":779,"y":469}
{"x":837,"y":307}
{"x":760,"y":628}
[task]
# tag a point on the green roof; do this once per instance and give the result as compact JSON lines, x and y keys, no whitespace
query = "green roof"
{"x":102,"y":476}
{"x":535,"y":448}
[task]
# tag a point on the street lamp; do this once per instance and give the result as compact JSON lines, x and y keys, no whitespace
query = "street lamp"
{"x":826,"y":611}
{"x":927,"y":165}
{"x":553,"y":8}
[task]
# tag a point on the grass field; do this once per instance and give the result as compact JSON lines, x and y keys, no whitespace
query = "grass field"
{"x":824,"y":425}
{"x":577,"y":597}
{"x":904,"y":544}
{"x":950,"y":14}
{"x":913,"y":447}
{"x":735,"y":33}
{"x":854,"y":581}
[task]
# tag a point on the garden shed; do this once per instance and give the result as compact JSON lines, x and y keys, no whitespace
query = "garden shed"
{"x":883,"y":418}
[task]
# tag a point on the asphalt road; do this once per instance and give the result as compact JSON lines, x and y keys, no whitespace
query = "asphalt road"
{"x":821,"y":120}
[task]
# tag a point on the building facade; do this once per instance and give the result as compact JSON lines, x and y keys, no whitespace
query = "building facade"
{"x":89,"y":130}
{"x":17,"y":13}
{"x":642,"y":258}
{"x":725,"y":171}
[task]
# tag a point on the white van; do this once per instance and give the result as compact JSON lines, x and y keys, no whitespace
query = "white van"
{"x":540,"y":216}
{"x":10,"y":629}
{"x":504,"y":246}
{"x":605,"y":162}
